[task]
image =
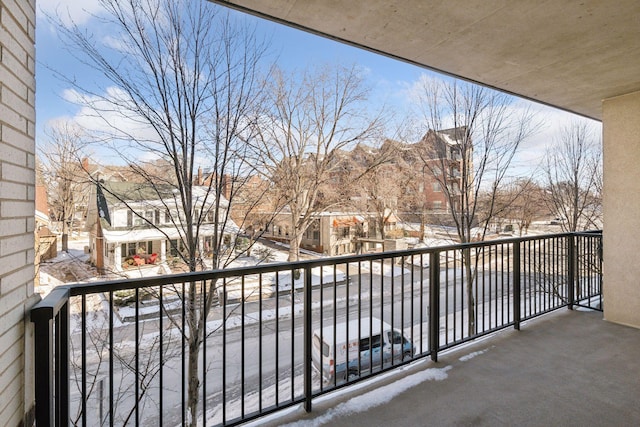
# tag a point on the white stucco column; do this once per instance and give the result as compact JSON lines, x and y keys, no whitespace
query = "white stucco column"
{"x":621,"y":204}
{"x":117,"y":257}
{"x":163,"y":250}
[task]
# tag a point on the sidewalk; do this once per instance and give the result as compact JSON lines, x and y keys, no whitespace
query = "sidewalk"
{"x":568,"y":368}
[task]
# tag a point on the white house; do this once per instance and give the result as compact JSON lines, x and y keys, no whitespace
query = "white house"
{"x":146,"y":226}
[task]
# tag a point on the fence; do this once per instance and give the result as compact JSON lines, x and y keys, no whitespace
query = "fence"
{"x":226,"y":346}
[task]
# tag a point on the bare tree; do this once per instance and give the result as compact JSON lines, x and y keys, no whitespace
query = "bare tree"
{"x":471,"y":157}
{"x":62,"y":173}
{"x":519,"y":202}
{"x":311,"y":117}
{"x":573,"y":170}
{"x":183,"y":86}
{"x":379,"y":177}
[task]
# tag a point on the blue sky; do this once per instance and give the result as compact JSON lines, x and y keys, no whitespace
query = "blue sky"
{"x":391,"y":80}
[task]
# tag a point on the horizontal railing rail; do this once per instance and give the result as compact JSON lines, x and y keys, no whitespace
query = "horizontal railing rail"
{"x":254,"y":340}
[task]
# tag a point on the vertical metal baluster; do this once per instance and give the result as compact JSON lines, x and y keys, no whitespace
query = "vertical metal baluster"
{"x":346,"y":307}
{"x":260,"y":343}
{"x":224,"y":350}
{"x":307,"y":339}
{"x":401,"y":301}
{"x":204,"y":351}
{"x":393,"y":285}
{"x":137,"y":357}
{"x":111,"y":413}
{"x":61,"y":378}
{"x":547,"y":286}
{"x":183,"y":358}
{"x":161,"y":367}
{"x":84,"y":358}
{"x":422,"y":303}
{"x":335,"y":319}
{"x":321,"y":329}
{"x":277,"y":358}
{"x":242,"y":341}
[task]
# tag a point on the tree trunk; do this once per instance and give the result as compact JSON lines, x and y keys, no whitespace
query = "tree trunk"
{"x":65,"y":242}
{"x":65,"y":234}
{"x":194,"y":351}
{"x":471,"y":301}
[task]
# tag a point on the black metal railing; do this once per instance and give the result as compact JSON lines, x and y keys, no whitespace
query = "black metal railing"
{"x":276,"y":335}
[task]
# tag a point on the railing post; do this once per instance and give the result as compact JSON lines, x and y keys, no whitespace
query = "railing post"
{"x":307,"y":339}
{"x":44,"y":381}
{"x":517,"y":286}
{"x":62,"y":366}
{"x":571,"y":270}
{"x":434,"y":304}
{"x":50,"y":319}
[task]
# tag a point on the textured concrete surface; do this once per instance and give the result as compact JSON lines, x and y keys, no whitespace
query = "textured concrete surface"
{"x":568,"y":54}
{"x":567,"y":368}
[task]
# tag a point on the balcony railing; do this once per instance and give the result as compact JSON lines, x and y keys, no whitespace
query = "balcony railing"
{"x":277,"y":335}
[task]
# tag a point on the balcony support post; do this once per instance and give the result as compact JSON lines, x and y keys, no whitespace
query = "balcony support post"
{"x":434,"y":304}
{"x":571,"y":270}
{"x":43,"y":330}
{"x":307,"y":338}
{"x":517,"y":315}
{"x":51,"y":321}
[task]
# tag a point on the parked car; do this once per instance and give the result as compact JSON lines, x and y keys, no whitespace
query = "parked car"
{"x":371,"y":345}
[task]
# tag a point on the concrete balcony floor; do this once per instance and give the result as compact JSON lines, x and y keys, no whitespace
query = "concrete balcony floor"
{"x":568,"y":368}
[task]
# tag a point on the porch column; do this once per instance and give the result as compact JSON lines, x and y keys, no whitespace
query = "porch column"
{"x":163,"y":250}
{"x":621,"y":204}
{"x":117,"y":257}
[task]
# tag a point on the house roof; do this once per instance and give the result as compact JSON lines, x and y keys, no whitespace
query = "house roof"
{"x":116,"y":192}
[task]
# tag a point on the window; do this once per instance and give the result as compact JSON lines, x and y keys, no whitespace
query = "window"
{"x":136,"y":248}
{"x":395,"y":337}
{"x":437,"y":204}
{"x":436,"y":187}
{"x":137,"y":218}
{"x":129,"y":219}
{"x":210,"y":216}
{"x":167,"y":216}
{"x":173,"y":247}
{"x":156,"y":220}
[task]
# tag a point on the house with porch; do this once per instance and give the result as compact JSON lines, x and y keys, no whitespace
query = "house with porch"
{"x":146,"y":227}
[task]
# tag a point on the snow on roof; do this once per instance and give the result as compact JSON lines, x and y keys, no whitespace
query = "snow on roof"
{"x":161,"y":233}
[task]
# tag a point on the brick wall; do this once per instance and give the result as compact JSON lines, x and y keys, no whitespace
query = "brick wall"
{"x":17,"y":219}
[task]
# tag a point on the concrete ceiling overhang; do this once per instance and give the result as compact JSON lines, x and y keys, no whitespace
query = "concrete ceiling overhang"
{"x":568,"y":54}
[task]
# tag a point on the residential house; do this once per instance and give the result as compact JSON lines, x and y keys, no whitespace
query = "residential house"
{"x":330,"y":233}
{"x":148,"y":230}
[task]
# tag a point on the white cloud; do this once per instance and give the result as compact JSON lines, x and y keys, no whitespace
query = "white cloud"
{"x":110,"y":126}
{"x":69,"y":10}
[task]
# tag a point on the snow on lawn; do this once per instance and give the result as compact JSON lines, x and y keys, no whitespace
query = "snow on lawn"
{"x":384,"y":270}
